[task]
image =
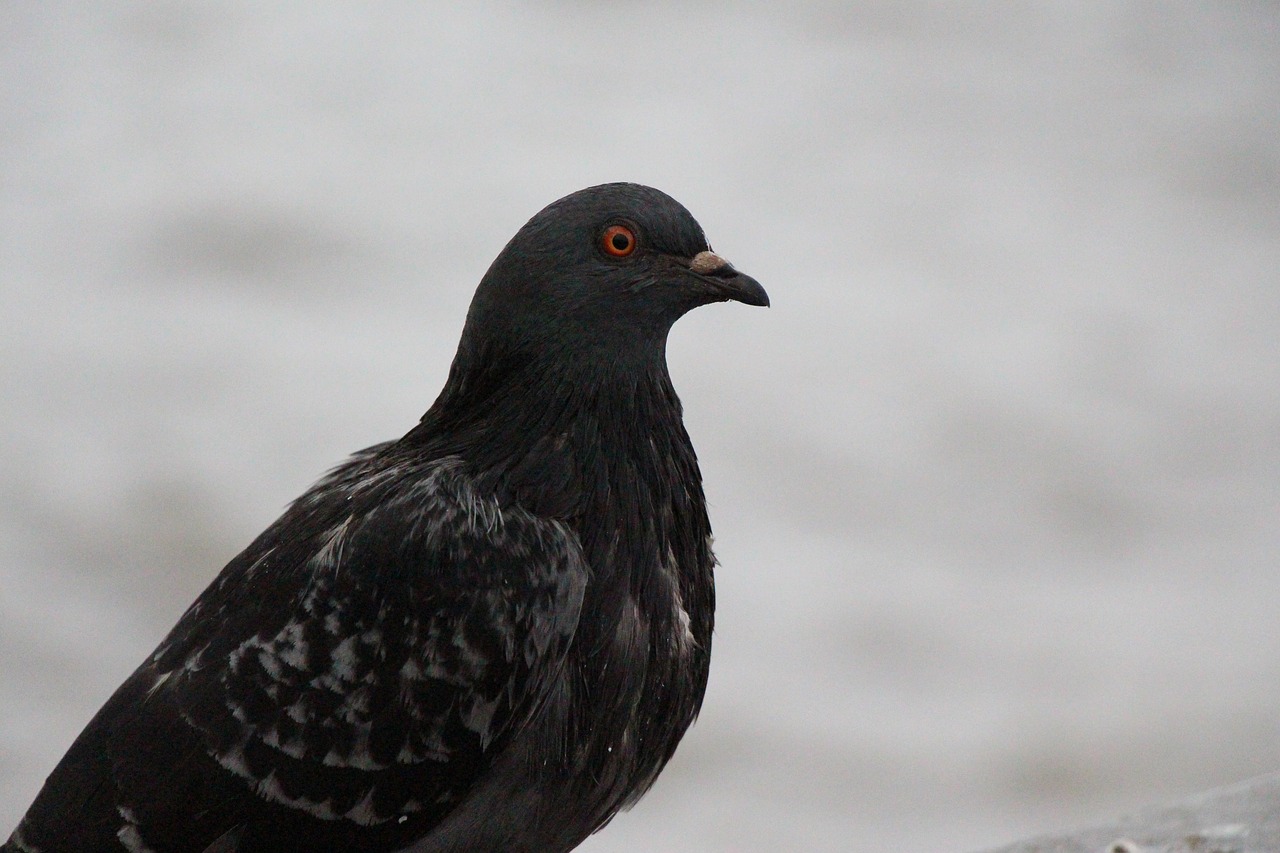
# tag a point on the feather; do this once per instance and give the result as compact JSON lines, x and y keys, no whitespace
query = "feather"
{"x":488,"y":635}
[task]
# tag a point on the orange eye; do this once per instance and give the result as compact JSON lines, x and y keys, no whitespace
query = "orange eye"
{"x":618,"y":240}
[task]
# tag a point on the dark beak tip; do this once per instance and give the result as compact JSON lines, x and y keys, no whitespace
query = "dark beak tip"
{"x":748,"y":291}
{"x":726,"y":283}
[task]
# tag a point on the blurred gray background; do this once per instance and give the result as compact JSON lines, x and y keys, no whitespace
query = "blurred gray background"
{"x":996,"y":482}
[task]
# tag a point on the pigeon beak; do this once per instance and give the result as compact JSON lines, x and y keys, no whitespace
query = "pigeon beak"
{"x":727,"y":283}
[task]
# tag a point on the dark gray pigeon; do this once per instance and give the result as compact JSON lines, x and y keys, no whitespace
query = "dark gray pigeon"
{"x":488,"y":635}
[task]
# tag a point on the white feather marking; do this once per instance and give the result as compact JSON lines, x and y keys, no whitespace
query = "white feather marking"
{"x":269,"y":789}
{"x":411,"y":671}
{"x":159,"y":683}
{"x":364,"y":813}
{"x":330,"y":555}
{"x":358,"y":757}
{"x":294,"y":651}
{"x":409,"y":755}
{"x":344,"y":659}
{"x":479,"y":718}
{"x":299,"y":711}
{"x":683,"y":635}
{"x":192,"y":663}
{"x":445,"y":494}
{"x":271,"y":664}
{"x":294,"y":748}
{"x":129,"y":835}
{"x":258,"y":563}
{"x":333,"y":622}
{"x":233,"y":760}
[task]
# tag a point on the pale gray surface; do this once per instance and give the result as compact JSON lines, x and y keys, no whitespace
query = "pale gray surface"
{"x":1242,"y":818}
{"x":995,"y":482}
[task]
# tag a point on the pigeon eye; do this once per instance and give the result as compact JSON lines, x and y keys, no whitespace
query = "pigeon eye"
{"x":618,"y":240}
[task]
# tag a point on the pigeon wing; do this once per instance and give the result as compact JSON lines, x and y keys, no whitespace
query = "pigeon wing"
{"x":341,"y":685}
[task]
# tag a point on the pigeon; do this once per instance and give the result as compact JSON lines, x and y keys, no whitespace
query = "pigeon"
{"x":488,"y":635}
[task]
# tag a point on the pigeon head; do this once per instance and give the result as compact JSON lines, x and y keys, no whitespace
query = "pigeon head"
{"x":597,"y":279}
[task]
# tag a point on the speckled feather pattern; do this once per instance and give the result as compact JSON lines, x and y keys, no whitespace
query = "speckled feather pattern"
{"x":356,"y":675}
{"x":489,"y":635}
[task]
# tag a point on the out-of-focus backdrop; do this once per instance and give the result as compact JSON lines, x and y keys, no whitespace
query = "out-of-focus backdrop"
{"x":996,"y":482}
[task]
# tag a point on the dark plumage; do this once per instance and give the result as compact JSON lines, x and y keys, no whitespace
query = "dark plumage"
{"x":488,"y":635}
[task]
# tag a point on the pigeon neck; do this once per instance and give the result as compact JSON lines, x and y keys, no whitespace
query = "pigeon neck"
{"x":518,"y":420}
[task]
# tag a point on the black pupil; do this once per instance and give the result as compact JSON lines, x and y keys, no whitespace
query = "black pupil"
{"x":621,"y":241}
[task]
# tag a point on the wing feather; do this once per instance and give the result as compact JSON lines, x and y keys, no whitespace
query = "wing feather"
{"x":344,"y":681}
